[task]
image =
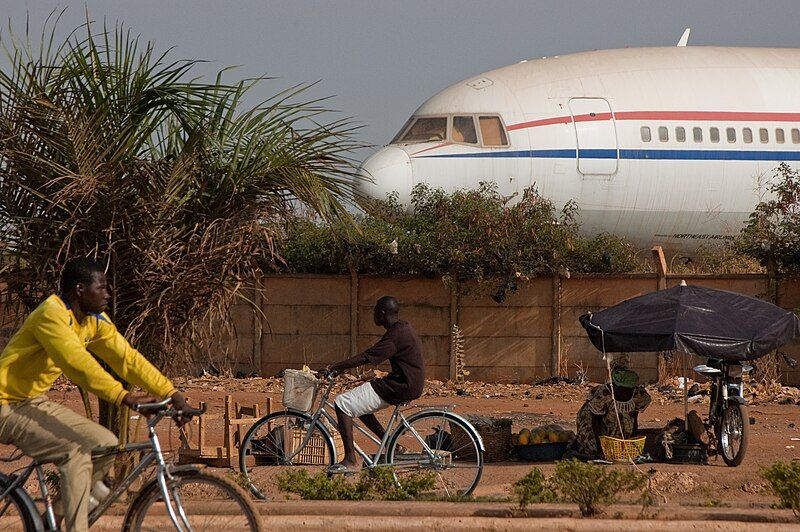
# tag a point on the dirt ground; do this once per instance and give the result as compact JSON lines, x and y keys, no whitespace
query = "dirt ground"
{"x":712,"y":485}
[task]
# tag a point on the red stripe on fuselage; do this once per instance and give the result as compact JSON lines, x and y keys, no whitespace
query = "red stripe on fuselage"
{"x":727,"y":116}
{"x":545,"y":122}
{"x":443,"y":144}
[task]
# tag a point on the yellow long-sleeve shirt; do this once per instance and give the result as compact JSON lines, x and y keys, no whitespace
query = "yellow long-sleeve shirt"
{"x":51,"y":342}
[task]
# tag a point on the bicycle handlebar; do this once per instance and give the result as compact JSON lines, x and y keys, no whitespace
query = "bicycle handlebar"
{"x":152,"y":407}
{"x":161,"y":406}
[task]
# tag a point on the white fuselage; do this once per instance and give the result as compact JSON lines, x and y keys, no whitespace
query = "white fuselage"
{"x":669,"y":146}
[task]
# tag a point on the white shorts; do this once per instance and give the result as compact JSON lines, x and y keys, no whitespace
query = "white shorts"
{"x":360,"y":401}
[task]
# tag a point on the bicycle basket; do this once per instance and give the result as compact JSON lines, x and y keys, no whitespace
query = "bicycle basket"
{"x":299,"y":389}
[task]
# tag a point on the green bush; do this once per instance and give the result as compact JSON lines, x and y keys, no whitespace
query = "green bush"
{"x":593,"y":487}
{"x":784,"y":480}
{"x":376,"y":483}
{"x":379,"y":483}
{"x":467,"y":235}
{"x":772,"y":235}
{"x":317,"y":487}
{"x":533,"y":488}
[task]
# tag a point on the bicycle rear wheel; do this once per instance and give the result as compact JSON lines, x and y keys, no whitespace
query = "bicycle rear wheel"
{"x":17,"y":510}
{"x":282,"y":439}
{"x":442,"y":444}
{"x":208,"y":502}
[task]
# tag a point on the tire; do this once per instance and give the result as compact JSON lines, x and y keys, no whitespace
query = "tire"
{"x":457,"y":461}
{"x":210,"y":502}
{"x":21,"y":509}
{"x":733,"y":434}
{"x":266,"y":447}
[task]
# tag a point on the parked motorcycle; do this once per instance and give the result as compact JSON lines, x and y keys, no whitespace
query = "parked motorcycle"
{"x":727,"y":411}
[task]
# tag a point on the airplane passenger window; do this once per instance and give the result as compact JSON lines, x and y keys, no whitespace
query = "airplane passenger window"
{"x":713,"y":134}
{"x":464,"y":130}
{"x":646,"y":137}
{"x":492,"y":131}
{"x":747,"y":135}
{"x":680,"y":134}
{"x":731,"y":134}
{"x":796,"y":136}
{"x":663,"y":134}
{"x":697,"y":133}
{"x":427,"y":130}
{"x":763,"y":135}
{"x":780,"y":138}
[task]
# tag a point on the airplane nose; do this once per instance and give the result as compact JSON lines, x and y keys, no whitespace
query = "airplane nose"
{"x":387,"y":170}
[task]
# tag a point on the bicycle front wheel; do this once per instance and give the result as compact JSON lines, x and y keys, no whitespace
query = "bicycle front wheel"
{"x":201,"y":499}
{"x":284,"y":438}
{"x":17,"y":509}
{"x":440,"y":444}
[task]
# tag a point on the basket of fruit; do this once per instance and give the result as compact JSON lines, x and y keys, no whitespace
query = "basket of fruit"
{"x":542,"y":444}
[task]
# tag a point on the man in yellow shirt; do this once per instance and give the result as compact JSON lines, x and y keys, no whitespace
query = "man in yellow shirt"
{"x":60,"y":336}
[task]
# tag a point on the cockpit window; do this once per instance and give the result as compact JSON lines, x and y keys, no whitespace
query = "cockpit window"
{"x":492,"y":131}
{"x":403,"y":129}
{"x":464,"y":130}
{"x":426,"y":130}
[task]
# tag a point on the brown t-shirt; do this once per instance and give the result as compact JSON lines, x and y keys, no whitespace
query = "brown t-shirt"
{"x":401,"y":346}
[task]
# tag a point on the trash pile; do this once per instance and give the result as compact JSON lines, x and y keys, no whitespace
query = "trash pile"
{"x":772,"y":393}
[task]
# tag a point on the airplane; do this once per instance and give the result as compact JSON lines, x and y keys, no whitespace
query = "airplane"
{"x":670,"y":146}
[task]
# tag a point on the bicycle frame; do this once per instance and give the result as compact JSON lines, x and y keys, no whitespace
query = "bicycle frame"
{"x":155,"y":455}
{"x":395,"y":420}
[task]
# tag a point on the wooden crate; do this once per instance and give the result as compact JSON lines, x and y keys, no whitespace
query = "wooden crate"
{"x":315,"y":452}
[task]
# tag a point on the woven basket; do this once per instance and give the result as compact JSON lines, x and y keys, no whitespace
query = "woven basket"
{"x":619,"y":450}
{"x":496,"y":436}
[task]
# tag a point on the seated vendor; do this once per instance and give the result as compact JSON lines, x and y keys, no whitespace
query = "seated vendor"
{"x":598,"y":417}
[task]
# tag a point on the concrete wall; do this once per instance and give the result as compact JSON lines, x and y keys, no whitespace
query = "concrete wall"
{"x":316,"y":320}
{"x":534,"y":334}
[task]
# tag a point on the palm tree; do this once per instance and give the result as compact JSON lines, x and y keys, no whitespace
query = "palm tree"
{"x":110,"y":149}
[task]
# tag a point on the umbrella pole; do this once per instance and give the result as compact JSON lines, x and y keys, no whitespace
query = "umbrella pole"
{"x":685,"y":405}
{"x":685,"y":393}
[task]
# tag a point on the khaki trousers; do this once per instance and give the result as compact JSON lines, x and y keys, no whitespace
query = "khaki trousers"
{"x":50,"y":432}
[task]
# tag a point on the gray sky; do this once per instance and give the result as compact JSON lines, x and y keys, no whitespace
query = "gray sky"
{"x":381,"y":59}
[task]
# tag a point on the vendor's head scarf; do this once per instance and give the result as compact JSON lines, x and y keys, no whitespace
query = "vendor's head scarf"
{"x":624,"y":378}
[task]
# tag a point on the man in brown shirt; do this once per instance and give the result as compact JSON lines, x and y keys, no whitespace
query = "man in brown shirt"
{"x":401,"y":346}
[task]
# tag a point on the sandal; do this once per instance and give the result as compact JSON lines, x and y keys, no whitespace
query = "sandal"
{"x":341,"y":469}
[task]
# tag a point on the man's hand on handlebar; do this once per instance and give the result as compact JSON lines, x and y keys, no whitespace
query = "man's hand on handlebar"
{"x":133,"y":400}
{"x":327,"y":372}
{"x":179,"y":404}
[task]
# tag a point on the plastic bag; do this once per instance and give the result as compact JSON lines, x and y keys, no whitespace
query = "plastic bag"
{"x":299,"y":390}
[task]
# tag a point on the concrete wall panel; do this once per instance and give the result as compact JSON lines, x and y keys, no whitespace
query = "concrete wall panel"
{"x":408,"y":290}
{"x":307,"y":319}
{"x":306,"y":290}
{"x":601,"y":292}
{"x":506,"y":321}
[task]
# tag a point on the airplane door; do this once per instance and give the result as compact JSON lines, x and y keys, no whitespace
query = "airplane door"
{"x":596,"y":133}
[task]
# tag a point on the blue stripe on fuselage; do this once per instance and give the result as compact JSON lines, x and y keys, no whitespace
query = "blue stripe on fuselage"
{"x":690,"y":155}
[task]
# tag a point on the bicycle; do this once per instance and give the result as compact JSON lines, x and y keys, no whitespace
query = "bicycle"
{"x":223,"y":504}
{"x":432,"y":439}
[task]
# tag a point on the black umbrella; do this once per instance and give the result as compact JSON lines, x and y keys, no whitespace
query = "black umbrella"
{"x":693,"y":319}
